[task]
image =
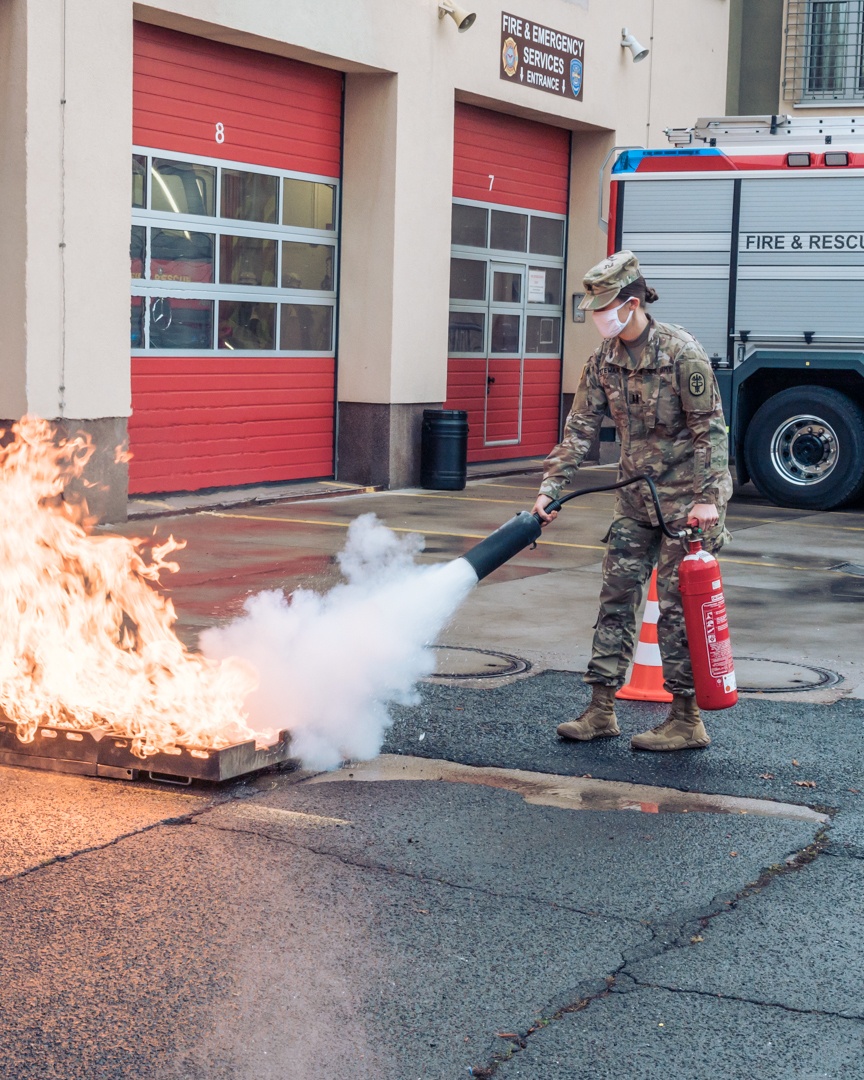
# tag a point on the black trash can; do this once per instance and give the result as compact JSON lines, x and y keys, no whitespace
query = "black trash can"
{"x":444,"y":449}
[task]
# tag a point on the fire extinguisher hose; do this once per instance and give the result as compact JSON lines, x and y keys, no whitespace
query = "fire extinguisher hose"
{"x":681,"y":534}
{"x":525,"y":528}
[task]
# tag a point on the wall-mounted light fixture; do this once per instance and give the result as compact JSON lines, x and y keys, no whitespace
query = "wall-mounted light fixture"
{"x":630,"y":42}
{"x":463,"y":19}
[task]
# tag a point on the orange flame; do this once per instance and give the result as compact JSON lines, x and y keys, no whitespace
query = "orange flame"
{"x":86,"y":641}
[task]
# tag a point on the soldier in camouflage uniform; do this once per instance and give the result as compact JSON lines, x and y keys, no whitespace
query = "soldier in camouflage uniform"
{"x":657,"y":383}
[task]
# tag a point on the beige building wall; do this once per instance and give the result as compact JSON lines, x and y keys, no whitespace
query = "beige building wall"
{"x":65,"y":122}
{"x":64,"y":173}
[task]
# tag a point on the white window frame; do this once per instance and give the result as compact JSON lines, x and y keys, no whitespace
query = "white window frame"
{"x":218,"y":226}
{"x":524,"y":259}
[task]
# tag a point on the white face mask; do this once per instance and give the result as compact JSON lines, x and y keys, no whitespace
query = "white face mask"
{"x":607,"y":321}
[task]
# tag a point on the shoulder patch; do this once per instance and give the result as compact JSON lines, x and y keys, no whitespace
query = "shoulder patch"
{"x":696,"y":383}
{"x":697,"y":386}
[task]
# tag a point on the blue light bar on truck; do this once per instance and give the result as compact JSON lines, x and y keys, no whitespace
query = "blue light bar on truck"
{"x":630,"y":160}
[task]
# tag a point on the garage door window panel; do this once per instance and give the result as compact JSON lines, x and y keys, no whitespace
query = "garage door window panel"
{"x":548,"y":280}
{"x":181,"y":255}
{"x":505,"y":335}
{"x":137,"y":322}
{"x":308,"y":266}
{"x":507,"y":287}
{"x":470,"y":226}
{"x":183,"y":187}
{"x":307,"y":204}
{"x":547,"y":236}
{"x":247,"y":324}
{"x":509,"y":232}
{"x":467,"y":332}
{"x":181,"y":323}
{"x":306,"y":328}
{"x":543,"y":335}
{"x":248,"y":196}
{"x":139,"y":181}
{"x":247,"y":260}
{"x":137,"y":251}
{"x":468,"y":279}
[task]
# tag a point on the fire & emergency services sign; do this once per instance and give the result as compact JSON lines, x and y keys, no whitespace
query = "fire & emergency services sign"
{"x":541,"y":57}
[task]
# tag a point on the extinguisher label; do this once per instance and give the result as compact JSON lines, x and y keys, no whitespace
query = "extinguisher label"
{"x":716,"y":625}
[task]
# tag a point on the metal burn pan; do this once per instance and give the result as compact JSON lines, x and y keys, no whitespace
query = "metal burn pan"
{"x":96,"y":753}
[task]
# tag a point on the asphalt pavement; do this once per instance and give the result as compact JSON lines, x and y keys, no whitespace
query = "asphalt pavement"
{"x":491,"y":923}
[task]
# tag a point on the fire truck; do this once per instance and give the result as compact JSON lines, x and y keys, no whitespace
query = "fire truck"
{"x":751,"y":229}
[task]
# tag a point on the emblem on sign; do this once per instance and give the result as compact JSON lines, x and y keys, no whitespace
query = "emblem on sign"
{"x":697,"y":384}
{"x":510,"y":57}
{"x":575,"y":76}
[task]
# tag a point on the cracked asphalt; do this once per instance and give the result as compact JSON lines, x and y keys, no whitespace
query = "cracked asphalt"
{"x":284,"y":929}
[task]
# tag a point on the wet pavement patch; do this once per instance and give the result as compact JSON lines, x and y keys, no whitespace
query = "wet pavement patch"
{"x":566,"y":792}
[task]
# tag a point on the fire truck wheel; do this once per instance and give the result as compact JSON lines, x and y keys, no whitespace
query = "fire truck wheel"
{"x":804,"y":448}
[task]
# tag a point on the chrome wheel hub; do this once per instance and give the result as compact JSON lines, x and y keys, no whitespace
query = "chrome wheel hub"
{"x":804,"y":450}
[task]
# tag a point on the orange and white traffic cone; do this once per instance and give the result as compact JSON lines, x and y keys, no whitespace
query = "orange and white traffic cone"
{"x":646,"y":679}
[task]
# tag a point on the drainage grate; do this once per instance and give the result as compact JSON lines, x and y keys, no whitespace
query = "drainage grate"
{"x":797,"y":676}
{"x":96,"y":753}
{"x":464,"y":662}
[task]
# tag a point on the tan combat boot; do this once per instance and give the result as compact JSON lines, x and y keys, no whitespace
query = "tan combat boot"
{"x":598,"y":721}
{"x":681,"y":730}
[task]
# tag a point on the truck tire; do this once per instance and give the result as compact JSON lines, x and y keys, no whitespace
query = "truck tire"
{"x":804,"y":448}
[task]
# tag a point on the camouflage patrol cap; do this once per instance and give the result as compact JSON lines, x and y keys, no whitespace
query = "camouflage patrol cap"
{"x":604,"y":281}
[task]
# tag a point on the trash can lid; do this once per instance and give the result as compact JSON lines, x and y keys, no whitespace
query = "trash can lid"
{"x":445,"y":414}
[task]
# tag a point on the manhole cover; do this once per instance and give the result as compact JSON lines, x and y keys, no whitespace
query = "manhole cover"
{"x":463,"y":662}
{"x":759,"y":675}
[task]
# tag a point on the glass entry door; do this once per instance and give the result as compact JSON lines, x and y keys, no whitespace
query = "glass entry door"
{"x":502,"y":419}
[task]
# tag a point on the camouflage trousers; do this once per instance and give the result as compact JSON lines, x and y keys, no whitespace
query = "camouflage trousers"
{"x":634,"y":548}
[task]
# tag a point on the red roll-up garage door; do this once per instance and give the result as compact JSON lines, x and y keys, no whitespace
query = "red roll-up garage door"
{"x":506,"y":320}
{"x":233,"y":368}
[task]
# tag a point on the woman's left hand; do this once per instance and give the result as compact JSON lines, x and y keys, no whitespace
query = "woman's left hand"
{"x":704,"y":515}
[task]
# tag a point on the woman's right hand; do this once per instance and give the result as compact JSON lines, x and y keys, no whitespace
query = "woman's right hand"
{"x":540,"y":510}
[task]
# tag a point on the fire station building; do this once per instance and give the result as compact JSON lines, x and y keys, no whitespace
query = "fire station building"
{"x":340,"y":214}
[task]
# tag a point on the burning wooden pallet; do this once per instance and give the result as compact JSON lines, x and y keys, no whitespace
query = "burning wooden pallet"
{"x":97,"y":753}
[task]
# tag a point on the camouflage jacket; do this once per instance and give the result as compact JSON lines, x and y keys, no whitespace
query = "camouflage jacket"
{"x":666,"y":407}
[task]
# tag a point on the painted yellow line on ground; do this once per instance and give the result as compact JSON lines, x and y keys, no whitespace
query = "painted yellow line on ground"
{"x":393,"y":528}
{"x":482,"y":536}
{"x":473,"y":498}
{"x":502,"y":484}
{"x":348,"y":487}
{"x":802,"y":524}
{"x":780,"y":566}
{"x":456,"y":497}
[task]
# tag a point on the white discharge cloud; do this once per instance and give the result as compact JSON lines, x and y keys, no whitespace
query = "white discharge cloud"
{"x":331,"y":664}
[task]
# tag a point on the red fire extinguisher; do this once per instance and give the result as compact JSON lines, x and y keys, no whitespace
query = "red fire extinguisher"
{"x":707,"y":628}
